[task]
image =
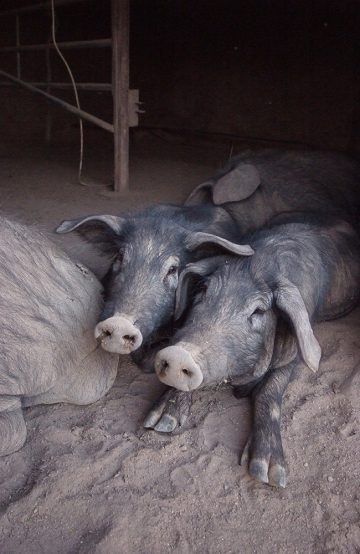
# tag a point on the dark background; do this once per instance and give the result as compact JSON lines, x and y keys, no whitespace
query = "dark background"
{"x":280,"y":70}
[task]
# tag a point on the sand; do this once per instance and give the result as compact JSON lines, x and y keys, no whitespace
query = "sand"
{"x":92,"y":480}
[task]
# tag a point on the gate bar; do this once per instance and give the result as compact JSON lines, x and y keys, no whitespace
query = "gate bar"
{"x":69,"y":107}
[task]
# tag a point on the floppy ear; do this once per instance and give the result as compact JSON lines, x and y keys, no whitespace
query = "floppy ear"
{"x":200,"y":195}
{"x":236,"y":185}
{"x":201,"y":268}
{"x":289,"y":300}
{"x":92,"y":222}
{"x":199,"y":239}
{"x":98,"y":229}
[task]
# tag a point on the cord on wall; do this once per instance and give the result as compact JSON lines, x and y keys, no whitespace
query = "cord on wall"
{"x":62,"y":57}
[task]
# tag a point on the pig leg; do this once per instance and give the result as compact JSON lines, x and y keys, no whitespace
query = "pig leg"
{"x":170,"y":411}
{"x":263,"y":453}
{"x":12,"y":425}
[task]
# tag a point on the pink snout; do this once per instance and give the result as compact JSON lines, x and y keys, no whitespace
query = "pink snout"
{"x":176,"y":367}
{"x":118,"y":334}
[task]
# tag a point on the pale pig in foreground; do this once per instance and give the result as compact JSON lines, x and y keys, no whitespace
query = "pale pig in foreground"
{"x":48,"y":309}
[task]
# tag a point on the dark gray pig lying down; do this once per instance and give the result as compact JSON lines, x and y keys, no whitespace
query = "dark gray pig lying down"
{"x":150,"y":249}
{"x":255,"y":186}
{"x":251,"y":321}
{"x":48,"y":309}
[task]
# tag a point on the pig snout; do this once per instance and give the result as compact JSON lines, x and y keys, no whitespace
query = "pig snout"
{"x":118,"y":334}
{"x":176,"y":367}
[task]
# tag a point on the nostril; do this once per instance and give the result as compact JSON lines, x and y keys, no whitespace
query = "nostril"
{"x":163,"y":367}
{"x":129,"y":338}
{"x":187,"y":372}
{"x":102,"y":335}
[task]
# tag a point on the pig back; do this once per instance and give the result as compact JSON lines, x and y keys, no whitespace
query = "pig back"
{"x":48,"y":309}
{"x":306,"y":181}
{"x":343,"y":266}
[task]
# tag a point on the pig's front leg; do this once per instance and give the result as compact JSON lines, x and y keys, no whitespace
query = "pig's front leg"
{"x":263,"y":453}
{"x":170,"y":411}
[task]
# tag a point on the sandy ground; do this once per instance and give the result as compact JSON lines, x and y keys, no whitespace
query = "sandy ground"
{"x":92,"y":480}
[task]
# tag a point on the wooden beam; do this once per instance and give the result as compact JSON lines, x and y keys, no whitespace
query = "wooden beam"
{"x":68,"y":107}
{"x":72,"y":45}
{"x":41,"y":5}
{"x":97,"y":87}
{"x":120,"y":82}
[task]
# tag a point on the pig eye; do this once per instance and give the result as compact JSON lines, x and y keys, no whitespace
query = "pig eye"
{"x":200,"y":293}
{"x":172,"y":270}
{"x":118,"y":262}
{"x":256,"y":319}
{"x":258,"y":311}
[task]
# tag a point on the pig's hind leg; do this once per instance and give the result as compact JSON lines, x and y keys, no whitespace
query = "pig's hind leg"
{"x":263,"y":453}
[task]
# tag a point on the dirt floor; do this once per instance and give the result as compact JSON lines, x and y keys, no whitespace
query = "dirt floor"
{"x":92,"y":480}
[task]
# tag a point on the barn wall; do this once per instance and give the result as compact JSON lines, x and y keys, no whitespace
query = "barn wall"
{"x":276,"y":69}
{"x":273,"y":69}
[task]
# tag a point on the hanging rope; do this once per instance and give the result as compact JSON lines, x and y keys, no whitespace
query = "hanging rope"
{"x":62,"y":57}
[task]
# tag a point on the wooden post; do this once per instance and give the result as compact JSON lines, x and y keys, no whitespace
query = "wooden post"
{"x":120,"y":82}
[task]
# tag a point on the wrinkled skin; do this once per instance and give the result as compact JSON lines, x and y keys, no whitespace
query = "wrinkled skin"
{"x":48,"y":352}
{"x":148,"y":252}
{"x":253,"y":319}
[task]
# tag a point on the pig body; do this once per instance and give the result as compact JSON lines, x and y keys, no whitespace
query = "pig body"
{"x":253,"y":320}
{"x":150,"y":249}
{"x":49,"y":306}
{"x":257,"y":185}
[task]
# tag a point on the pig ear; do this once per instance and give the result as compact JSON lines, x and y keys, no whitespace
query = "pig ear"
{"x":197,"y":240}
{"x":200,"y":195}
{"x":201,"y":269}
{"x":98,"y":229}
{"x":93,"y":222}
{"x":236,"y":185}
{"x":290,"y":301}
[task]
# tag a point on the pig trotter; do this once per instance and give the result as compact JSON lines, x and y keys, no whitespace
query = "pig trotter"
{"x":263,"y":454}
{"x":267,"y":467}
{"x":170,"y":411}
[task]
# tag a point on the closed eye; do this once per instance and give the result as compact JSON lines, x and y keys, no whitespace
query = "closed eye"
{"x":118,"y":262}
{"x":172,"y":270}
{"x":200,"y":292}
{"x":259,"y":311}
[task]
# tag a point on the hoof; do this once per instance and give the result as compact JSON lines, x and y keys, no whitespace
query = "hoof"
{"x":167,"y":424}
{"x":277,"y":476}
{"x":259,"y":470}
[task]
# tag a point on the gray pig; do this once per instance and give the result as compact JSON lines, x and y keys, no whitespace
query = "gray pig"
{"x":150,"y":249}
{"x":255,"y":186}
{"x":253,"y":316}
{"x":48,"y":309}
